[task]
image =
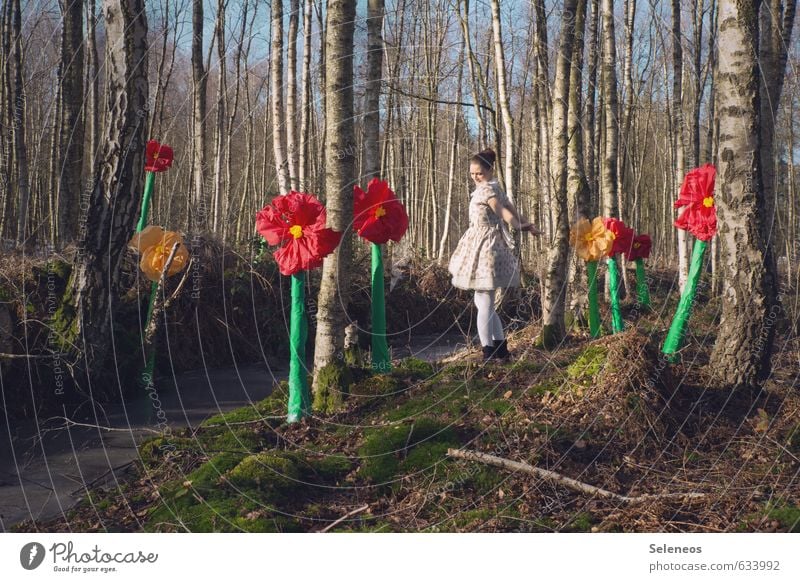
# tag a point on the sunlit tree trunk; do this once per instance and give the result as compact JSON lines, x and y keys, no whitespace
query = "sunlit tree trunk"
{"x":330,"y":376}
{"x":553,"y":302}
{"x":278,"y":112}
{"x":750,"y":311}
{"x":199,"y":121}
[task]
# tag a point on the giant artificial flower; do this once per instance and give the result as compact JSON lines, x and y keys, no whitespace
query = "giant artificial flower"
{"x":155,"y":244}
{"x":640,"y":249}
{"x":158,"y":157}
{"x":377,"y":214}
{"x":592,"y":240}
{"x":623,"y":236}
{"x":296,"y":221}
{"x":697,"y":195}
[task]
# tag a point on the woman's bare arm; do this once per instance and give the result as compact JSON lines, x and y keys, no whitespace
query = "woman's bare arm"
{"x":507,"y":212}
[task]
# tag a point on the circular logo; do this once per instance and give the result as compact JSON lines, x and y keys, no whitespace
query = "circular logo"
{"x":31,"y":555}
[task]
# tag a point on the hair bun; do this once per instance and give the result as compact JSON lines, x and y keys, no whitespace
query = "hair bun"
{"x":488,"y":155}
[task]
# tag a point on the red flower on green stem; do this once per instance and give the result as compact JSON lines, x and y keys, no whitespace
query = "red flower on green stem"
{"x":158,"y":157}
{"x":697,"y":195}
{"x":378,"y":215}
{"x":640,"y":249}
{"x":623,"y":236}
{"x":296,"y":222}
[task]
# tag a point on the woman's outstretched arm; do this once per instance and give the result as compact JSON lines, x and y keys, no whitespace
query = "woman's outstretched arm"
{"x":505,"y":210}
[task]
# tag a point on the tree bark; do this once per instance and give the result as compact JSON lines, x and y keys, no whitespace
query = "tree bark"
{"x":372,"y":90}
{"x":291,"y":96}
{"x":329,"y":377}
{"x":305,"y":103}
{"x":678,"y":131}
{"x":505,"y":103}
{"x":278,"y":113}
{"x":18,"y":124}
{"x":741,"y":354}
{"x":553,"y":304}
{"x":199,"y":121}
{"x":113,"y":204}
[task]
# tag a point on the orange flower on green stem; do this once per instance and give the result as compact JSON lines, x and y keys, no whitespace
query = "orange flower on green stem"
{"x":154,"y":244}
{"x":592,"y":240}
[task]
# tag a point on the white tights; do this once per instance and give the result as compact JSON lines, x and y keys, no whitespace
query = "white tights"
{"x":489,"y":325}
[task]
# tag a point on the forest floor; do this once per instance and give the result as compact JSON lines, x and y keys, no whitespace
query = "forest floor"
{"x":608,"y":412}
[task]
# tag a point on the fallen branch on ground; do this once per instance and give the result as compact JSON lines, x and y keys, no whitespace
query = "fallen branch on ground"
{"x":345,"y":516}
{"x":563,"y":480}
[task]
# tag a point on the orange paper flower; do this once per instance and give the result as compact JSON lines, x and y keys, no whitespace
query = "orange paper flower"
{"x":592,"y":240}
{"x":155,"y":244}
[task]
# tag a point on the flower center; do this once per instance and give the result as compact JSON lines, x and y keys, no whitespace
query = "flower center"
{"x":296,"y":230}
{"x":636,"y":245}
{"x":588,"y":237}
{"x":161,"y":250}
{"x":708,"y":201}
{"x":380,"y":211}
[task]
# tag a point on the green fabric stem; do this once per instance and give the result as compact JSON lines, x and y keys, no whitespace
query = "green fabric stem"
{"x":147,"y":373}
{"x":617,"y":325}
{"x":642,"y":292}
{"x":299,"y":395}
{"x":594,"y":311}
{"x":148,"y":193}
{"x":677,"y":331}
{"x":381,"y":362}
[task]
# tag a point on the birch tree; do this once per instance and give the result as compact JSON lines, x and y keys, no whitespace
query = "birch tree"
{"x":330,"y":373}
{"x":750,"y":310}
{"x":553,"y":302}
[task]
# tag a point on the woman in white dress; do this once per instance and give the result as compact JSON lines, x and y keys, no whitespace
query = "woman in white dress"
{"x":483,"y":260}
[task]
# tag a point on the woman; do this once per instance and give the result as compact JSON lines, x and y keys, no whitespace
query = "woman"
{"x":483,"y":260}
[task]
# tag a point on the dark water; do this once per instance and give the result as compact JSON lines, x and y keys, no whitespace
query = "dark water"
{"x":46,"y":467}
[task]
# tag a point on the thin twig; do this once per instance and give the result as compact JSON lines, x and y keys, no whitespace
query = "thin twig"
{"x":561,"y":479}
{"x":345,"y":516}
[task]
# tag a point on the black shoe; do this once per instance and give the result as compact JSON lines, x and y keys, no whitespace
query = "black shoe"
{"x":501,"y":349}
{"x":488,"y":353}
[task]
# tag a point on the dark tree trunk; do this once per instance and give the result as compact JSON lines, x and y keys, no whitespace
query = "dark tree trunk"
{"x":113,"y":204}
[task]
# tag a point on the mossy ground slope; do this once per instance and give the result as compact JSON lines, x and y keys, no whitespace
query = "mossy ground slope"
{"x":608,"y":412}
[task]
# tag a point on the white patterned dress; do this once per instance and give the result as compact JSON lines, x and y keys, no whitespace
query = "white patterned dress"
{"x":482,"y":259}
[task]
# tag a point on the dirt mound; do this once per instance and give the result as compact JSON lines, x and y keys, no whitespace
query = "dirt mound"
{"x":618,"y":394}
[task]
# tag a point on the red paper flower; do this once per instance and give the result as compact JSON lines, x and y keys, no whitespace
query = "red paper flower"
{"x":378,"y":215}
{"x":640,"y":249}
{"x":158,"y":157}
{"x":697,"y":195}
{"x":623,"y":236}
{"x":296,"y":221}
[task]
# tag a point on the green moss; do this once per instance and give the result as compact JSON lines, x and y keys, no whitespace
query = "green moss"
{"x":589,"y":362}
{"x":235,"y":438}
{"x":270,"y":472}
{"x":378,"y":385}
{"x":582,"y":522}
{"x":414,"y":368}
{"x":153,"y":451}
{"x":484,"y":481}
{"x":331,"y":467}
{"x":331,"y":386}
{"x":385,"y":451}
{"x":273,"y":405}
{"x":787,"y":515}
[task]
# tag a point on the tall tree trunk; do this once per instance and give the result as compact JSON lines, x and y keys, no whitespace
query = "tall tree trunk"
{"x":278,"y":113}
{"x":222,"y":117}
{"x":591,"y":92}
{"x":372,"y":89}
{"x":292,"y":146}
{"x":741,"y":354}
{"x":777,"y":22}
{"x":339,"y":180}
{"x":553,"y":303}
{"x":678,"y":131}
{"x":18,"y":124}
{"x":93,"y":84}
{"x":114,"y":200}
{"x":505,"y":102}
{"x":305,"y":104}
{"x":577,"y":187}
{"x":199,"y":121}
